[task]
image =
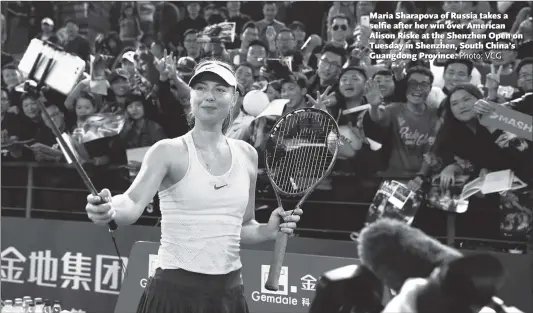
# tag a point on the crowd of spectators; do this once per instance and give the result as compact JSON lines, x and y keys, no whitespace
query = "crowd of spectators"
{"x":420,"y":111}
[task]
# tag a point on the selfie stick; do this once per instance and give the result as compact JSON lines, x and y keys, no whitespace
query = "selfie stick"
{"x":66,"y":148}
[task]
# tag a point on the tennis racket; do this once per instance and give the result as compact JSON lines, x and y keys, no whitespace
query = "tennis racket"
{"x":300,"y":152}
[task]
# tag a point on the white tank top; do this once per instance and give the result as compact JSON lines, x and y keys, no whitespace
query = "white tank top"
{"x":202,"y":215}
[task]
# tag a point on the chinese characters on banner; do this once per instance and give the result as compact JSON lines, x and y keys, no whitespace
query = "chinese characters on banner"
{"x":72,"y":270}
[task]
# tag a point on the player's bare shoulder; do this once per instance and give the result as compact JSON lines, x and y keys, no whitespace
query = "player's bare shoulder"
{"x":249,"y":152}
{"x":164,"y":151}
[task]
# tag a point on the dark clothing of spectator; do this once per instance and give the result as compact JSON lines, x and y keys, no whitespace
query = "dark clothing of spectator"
{"x":6,"y":58}
{"x":141,"y":133}
{"x":14,"y":98}
{"x":79,"y":46}
{"x":11,"y":124}
{"x":173,"y":117}
{"x":314,"y":13}
{"x":52,"y":38}
{"x":29,"y":128}
{"x":45,"y":136}
{"x":187,"y":23}
{"x":251,"y":9}
{"x":166,"y":18}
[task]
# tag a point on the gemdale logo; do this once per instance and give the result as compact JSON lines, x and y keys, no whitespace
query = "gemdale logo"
{"x":279,"y":297}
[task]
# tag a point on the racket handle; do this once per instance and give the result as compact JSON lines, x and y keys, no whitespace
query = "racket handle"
{"x":112,"y":224}
{"x":274,"y":273}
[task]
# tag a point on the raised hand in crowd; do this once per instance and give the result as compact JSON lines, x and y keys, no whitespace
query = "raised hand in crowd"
{"x":323,"y":101}
{"x":270,"y":33}
{"x":397,"y":67}
{"x":166,"y":66}
{"x":372,"y":93}
{"x":493,"y":81}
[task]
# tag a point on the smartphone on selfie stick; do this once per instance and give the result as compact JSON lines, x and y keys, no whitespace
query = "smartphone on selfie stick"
{"x":46,"y":70}
{"x":64,"y":73}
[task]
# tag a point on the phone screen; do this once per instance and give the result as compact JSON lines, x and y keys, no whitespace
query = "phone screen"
{"x":365,"y":21}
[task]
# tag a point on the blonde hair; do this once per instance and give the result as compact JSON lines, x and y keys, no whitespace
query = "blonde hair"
{"x":229,"y":119}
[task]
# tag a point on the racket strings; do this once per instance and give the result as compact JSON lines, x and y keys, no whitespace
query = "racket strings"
{"x":313,"y":171}
{"x":301,"y":153}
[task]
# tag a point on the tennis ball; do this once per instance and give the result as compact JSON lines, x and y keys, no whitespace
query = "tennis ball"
{"x":349,"y":143}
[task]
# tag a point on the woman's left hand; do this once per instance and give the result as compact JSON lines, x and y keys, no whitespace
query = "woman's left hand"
{"x":284,"y":221}
{"x":415,"y":184}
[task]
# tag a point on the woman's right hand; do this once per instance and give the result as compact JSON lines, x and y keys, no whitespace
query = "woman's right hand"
{"x":99,"y":208}
{"x":13,"y":109}
{"x":447,"y":176}
{"x":483,"y":107}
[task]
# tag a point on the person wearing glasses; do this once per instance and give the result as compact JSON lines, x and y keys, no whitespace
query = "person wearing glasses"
{"x":207,"y":201}
{"x":330,"y":65}
{"x":285,"y":43}
{"x":340,"y":31}
{"x":412,"y":124}
{"x":524,"y":69}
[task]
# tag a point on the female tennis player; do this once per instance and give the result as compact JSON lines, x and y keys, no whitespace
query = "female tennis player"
{"x":206,"y":185}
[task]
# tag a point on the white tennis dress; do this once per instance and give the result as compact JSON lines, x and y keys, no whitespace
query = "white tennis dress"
{"x":202,"y":215}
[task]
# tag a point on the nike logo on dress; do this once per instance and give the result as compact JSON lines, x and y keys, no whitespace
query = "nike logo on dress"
{"x":218,"y":187}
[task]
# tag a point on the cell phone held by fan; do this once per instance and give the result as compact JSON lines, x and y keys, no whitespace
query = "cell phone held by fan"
{"x":66,"y":71}
{"x":365,"y":21}
{"x":278,"y":67}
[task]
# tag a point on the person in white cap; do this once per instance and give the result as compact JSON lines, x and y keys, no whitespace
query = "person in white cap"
{"x":47,"y":31}
{"x":206,"y":183}
{"x":128,"y":62}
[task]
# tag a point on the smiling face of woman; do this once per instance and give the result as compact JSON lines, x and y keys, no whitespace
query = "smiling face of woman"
{"x":30,"y":108}
{"x":211,"y":99}
{"x":135,"y":110}
{"x":462,"y":105}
